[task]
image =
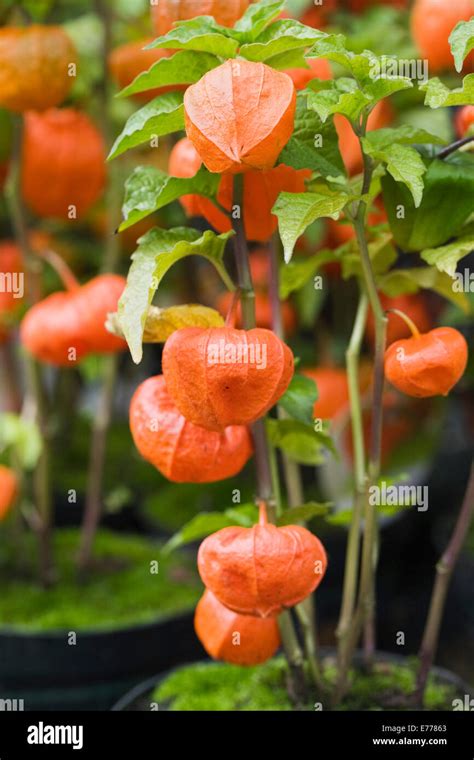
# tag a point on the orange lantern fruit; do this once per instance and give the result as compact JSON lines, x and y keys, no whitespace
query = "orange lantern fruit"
{"x":240,"y":116}
{"x":8,"y":490}
{"x":165,"y":13}
{"x":464,"y":120}
{"x":319,"y":68}
{"x":428,"y":364}
{"x":264,"y":569}
{"x":35,"y":63}
{"x":222,"y":376}
{"x":333,"y":391}
{"x":181,"y":451}
{"x":233,"y":638}
{"x":127,"y":61}
{"x":66,"y":326}
{"x":432,"y":22}
{"x":415,"y":308}
{"x":263,"y":312}
{"x":63,"y":164}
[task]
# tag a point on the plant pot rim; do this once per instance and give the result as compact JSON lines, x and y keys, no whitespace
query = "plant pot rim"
{"x":442,"y":674}
{"x":91,"y":632}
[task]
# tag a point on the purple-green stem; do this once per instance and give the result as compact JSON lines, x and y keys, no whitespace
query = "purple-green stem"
{"x":42,"y":474}
{"x":305,"y":611}
{"x":102,"y":419}
{"x":263,"y":460}
{"x":444,"y":571}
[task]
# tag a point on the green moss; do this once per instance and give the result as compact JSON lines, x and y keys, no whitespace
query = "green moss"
{"x":218,"y":686}
{"x":120,"y":590}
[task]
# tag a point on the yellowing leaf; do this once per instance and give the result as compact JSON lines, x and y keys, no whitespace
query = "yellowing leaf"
{"x":161,"y":323}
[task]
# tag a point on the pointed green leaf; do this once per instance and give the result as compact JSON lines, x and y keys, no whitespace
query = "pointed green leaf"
{"x":403,"y":135}
{"x":257,"y":17}
{"x":364,"y":66}
{"x":157,"y":251}
{"x":304,"y":513}
{"x":403,"y":163}
{"x":301,"y":442}
{"x":299,"y":399}
{"x":184,"y":67}
{"x":461,"y":41}
{"x":148,"y":189}
{"x":205,"y":523}
{"x":296,"y":211}
{"x":447,"y":257}
{"x":313,"y":144}
{"x":337,"y":96}
{"x":438,"y":95}
{"x":278,"y":38}
{"x":402,"y":281}
{"x":202,"y":34}
{"x":163,"y":115}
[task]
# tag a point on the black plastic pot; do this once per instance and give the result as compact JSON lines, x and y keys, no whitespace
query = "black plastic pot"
{"x":49,"y":673}
{"x":138,"y":698}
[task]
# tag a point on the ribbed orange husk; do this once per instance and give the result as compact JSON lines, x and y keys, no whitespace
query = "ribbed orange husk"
{"x":181,"y":451}
{"x":165,"y":13}
{"x":127,"y":61}
{"x":428,"y":365}
{"x":464,"y":120}
{"x":240,"y":116}
{"x":261,"y":190}
{"x":73,"y":320}
{"x":261,"y":570}
{"x":222,"y":376}
{"x":34,"y":67}
{"x":432,"y":22}
{"x":8,"y":490}
{"x":63,"y":163}
{"x":237,"y":639}
{"x":333,"y":391}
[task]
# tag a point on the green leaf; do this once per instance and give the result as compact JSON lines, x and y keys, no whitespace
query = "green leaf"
{"x":405,"y":281}
{"x":278,"y":38}
{"x":444,"y":209}
{"x":257,"y":17}
{"x":438,"y":95}
{"x":22,"y":437}
{"x":298,"y":272}
{"x":301,"y":442}
{"x":291,"y":59}
{"x":161,"y":116}
{"x":184,"y":67}
{"x":313,"y":144}
{"x":403,"y":162}
{"x":148,"y":189}
{"x":205,"y":523}
{"x":447,"y":257}
{"x":461,"y":41}
{"x":363,"y":66}
{"x":341,"y":96}
{"x":304,"y":513}
{"x":300,"y":398}
{"x":403,"y":135}
{"x":202,"y":34}
{"x":296,"y":211}
{"x":158,"y":250}
{"x":384,"y":86}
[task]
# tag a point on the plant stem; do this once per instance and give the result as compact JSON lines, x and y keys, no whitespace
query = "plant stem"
{"x":353,"y":541}
{"x":444,"y":571}
{"x":11,"y":394}
{"x":42,"y":476}
{"x":265,"y":473}
{"x":455,"y":146}
{"x":93,"y":506}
